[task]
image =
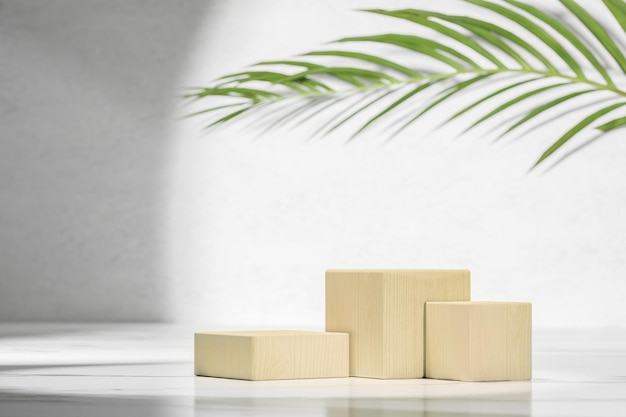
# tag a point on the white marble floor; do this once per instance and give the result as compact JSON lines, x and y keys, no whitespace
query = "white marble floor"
{"x":146,"y":370}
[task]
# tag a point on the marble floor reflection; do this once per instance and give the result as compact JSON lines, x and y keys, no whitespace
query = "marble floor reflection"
{"x":147,"y":370}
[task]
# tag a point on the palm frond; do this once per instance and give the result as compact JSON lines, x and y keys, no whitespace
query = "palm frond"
{"x":541,"y":61}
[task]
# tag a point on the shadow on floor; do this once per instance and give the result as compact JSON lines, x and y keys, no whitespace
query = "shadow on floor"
{"x":31,"y":367}
{"x":15,"y":404}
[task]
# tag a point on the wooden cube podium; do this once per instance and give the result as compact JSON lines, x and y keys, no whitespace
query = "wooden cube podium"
{"x":479,"y":341}
{"x":383,"y":311}
{"x":275,"y":354}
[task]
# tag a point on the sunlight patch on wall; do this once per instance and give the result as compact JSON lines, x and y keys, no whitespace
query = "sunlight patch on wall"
{"x":254,"y":220}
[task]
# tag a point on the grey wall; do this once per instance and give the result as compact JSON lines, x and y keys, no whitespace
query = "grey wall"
{"x":86,"y":91}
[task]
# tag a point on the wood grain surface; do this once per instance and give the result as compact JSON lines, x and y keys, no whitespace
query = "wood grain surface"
{"x":383,"y":311}
{"x":479,"y":341}
{"x":272,"y":354}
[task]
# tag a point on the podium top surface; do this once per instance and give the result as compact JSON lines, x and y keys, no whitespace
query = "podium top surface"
{"x":268,"y":333}
{"x":382,"y":271}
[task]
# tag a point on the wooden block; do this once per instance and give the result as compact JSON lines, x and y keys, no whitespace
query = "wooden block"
{"x":479,"y":341}
{"x":274,"y":354}
{"x":383,"y":311}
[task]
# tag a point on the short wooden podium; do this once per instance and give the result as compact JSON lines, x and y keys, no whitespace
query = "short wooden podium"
{"x":267,"y":355}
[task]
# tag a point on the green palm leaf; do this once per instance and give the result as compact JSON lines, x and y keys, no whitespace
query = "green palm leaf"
{"x":516,"y":100}
{"x":577,"y":128}
{"x":521,"y":54}
{"x":598,"y":31}
{"x":613,"y":124}
{"x":567,"y":34}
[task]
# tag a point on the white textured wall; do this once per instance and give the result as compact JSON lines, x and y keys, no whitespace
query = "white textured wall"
{"x":112,"y":209}
{"x":254,"y":221}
